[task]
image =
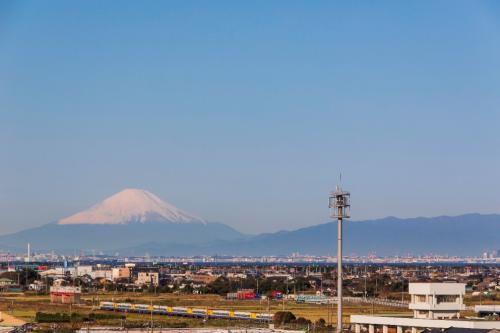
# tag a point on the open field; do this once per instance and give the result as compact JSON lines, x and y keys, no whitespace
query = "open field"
{"x":25,"y":307}
{"x":20,"y":307}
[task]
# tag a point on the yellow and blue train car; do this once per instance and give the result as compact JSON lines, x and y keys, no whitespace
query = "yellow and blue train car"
{"x":185,"y":311}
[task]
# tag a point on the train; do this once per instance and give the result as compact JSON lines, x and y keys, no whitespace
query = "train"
{"x":185,"y":311}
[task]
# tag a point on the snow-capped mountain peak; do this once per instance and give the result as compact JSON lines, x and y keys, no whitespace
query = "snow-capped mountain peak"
{"x":129,"y":206}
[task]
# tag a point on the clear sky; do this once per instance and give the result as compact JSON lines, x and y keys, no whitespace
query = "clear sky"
{"x":245,"y":112}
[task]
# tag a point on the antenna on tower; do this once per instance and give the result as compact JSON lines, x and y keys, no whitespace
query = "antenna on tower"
{"x":339,"y":205}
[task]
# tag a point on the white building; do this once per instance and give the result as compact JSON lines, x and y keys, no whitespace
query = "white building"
{"x":434,"y":305}
{"x":54,"y":273}
{"x":102,"y":274}
{"x":83,"y":270}
{"x":485,"y":310}
{"x":231,"y":275}
{"x":147,"y":278}
{"x":437,"y":300}
{"x":416,"y":325}
{"x":37,"y":286}
{"x":120,"y":273}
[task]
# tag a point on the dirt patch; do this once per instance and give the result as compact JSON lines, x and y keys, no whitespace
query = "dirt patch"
{"x":8,"y":320}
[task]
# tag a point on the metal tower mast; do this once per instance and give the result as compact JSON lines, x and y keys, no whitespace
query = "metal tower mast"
{"x":339,"y":208}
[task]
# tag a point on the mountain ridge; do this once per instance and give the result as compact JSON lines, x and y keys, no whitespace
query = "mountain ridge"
{"x":386,"y":236}
{"x":463,"y":235}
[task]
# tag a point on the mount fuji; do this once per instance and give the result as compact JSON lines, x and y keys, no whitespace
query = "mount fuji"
{"x":129,"y":206}
{"x":129,"y":218}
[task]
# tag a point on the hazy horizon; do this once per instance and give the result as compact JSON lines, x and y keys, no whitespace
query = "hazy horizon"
{"x":246,"y":113}
{"x":326,"y":220}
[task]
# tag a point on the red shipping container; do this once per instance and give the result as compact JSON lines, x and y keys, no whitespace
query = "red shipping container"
{"x":246,"y":295}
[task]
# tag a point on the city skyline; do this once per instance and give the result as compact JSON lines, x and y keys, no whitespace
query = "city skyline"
{"x":245,"y":114}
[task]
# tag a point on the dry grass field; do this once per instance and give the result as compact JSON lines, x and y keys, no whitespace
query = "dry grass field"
{"x":25,"y":306}
{"x":20,"y":307}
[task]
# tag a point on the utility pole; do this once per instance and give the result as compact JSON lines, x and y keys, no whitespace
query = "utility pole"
{"x":151,"y":316}
{"x":365,"y":283}
{"x":403,"y":290}
{"x":339,"y":208}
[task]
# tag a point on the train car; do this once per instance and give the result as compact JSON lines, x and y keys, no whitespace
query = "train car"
{"x":313,"y":299}
{"x":126,"y":307}
{"x":159,"y":309}
{"x":107,"y":306}
{"x":199,"y":312}
{"x":220,"y":314}
{"x":241,"y":315}
{"x":185,"y":311}
{"x":264,"y":316}
{"x":180,"y":311}
{"x":142,"y":308}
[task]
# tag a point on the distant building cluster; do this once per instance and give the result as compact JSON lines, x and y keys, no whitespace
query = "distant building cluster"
{"x":491,"y":255}
{"x":252,"y":280}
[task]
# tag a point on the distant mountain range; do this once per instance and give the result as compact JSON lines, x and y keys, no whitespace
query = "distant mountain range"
{"x":136,"y":222}
{"x":463,"y":235}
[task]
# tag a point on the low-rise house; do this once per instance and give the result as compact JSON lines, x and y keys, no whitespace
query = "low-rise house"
{"x":120,"y":273}
{"x":231,"y":275}
{"x":202,"y":278}
{"x":37,"y":286}
{"x":54,"y":273}
{"x":102,"y":274}
{"x":82,"y":270}
{"x":4,"y":282}
{"x":65,"y":294}
{"x":147,"y":278}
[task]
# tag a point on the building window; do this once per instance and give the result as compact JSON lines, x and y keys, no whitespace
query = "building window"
{"x":446,"y":298}
{"x":420,"y":298}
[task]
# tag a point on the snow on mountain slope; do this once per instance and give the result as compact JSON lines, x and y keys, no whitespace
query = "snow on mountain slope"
{"x":128,"y":206}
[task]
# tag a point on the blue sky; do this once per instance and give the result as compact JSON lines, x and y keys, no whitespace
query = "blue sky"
{"x":245,"y":112}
